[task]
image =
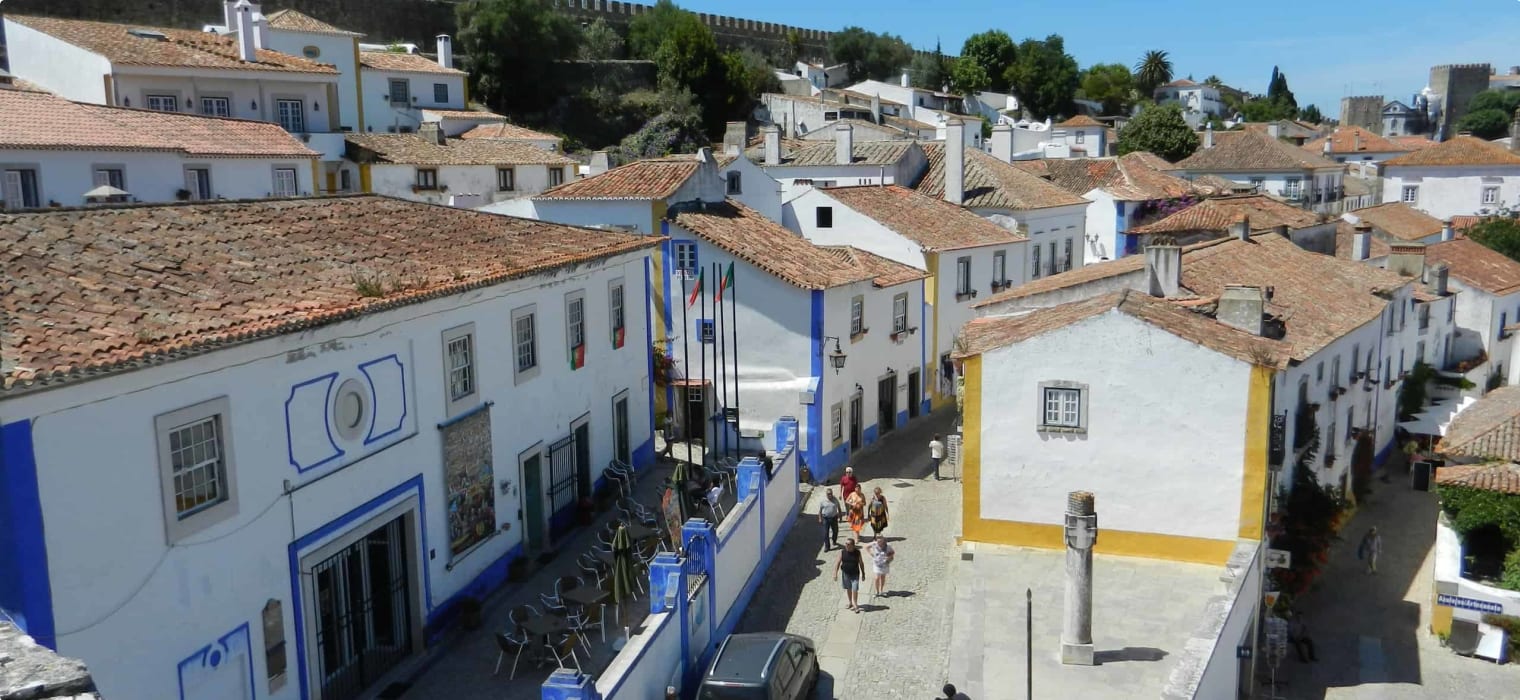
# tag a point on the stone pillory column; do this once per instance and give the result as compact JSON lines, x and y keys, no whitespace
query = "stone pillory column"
{"x":1081,"y":535}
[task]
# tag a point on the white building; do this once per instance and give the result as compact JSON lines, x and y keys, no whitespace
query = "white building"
{"x":303,"y":461}
{"x":180,"y":70}
{"x":54,"y":152}
{"x":963,"y":254}
{"x":1198,"y":101}
{"x":797,"y":115}
{"x":298,"y":34}
{"x":399,"y":87}
{"x":801,"y":308}
{"x":1397,"y":222}
{"x":1260,"y":159}
{"x":1122,"y":192}
{"x":1488,"y":303}
{"x":430,"y":167}
{"x":1356,"y":145}
{"x":841,"y":161}
{"x":1462,"y":176}
{"x":1218,"y":217}
{"x":820,"y":76}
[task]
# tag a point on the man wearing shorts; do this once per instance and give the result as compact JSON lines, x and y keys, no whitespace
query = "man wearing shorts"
{"x":936,"y":454}
{"x":850,"y":564}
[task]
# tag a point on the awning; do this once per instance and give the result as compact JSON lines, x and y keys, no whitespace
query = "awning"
{"x":1436,"y":417}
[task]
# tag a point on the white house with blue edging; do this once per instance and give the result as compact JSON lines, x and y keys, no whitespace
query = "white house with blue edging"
{"x":245,"y":480}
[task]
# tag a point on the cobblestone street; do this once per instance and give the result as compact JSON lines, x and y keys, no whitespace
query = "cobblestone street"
{"x":898,"y":647}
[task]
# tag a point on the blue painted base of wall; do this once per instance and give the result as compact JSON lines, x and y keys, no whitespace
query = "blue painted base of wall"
{"x":643,"y":455}
{"x":927,"y":408}
{"x":869,"y":436}
{"x":741,"y":603}
{"x":832,"y":464}
{"x":487,"y":582}
{"x":902,"y":418}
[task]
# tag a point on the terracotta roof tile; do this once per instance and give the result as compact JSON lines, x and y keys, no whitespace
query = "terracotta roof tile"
{"x":887,"y":272}
{"x":479,"y":115}
{"x":862,"y":153}
{"x":1411,"y":143}
{"x":1352,"y":139}
{"x":179,"y":48}
{"x":1181,"y":82}
{"x":767,"y":245}
{"x":1132,"y":177}
{"x":403,"y":62}
{"x":1215,"y":184}
{"x":1488,"y":429}
{"x":297,"y":21}
{"x":1081,"y":120}
{"x":504,"y":130}
{"x":984,"y":334}
{"x":36,"y":120}
{"x":933,"y":223}
{"x":1462,"y":150}
{"x":414,"y":149}
{"x":1476,"y":265}
{"x":992,"y":184}
{"x":97,"y":290}
{"x":1345,"y":242}
{"x":1400,"y":221}
{"x":1461,"y":222}
{"x":1502,"y":477}
{"x":1251,"y":149}
{"x":643,"y":179}
{"x":1218,"y":213}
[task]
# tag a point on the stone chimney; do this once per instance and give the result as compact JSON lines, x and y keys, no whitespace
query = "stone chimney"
{"x":260,"y":28}
{"x":600,"y":163}
{"x":243,"y":25}
{"x":735,"y":136}
{"x":1356,"y":140}
{"x":445,"y":51}
{"x":1241,"y":306}
{"x":955,"y":162}
{"x":772,"y":137}
{"x":1208,"y":135}
{"x":844,"y":144}
{"x":1081,"y":535}
{"x":905,"y":81}
{"x":1407,"y":259}
{"x":876,"y":108}
{"x":432,"y":132}
{"x":1163,"y":269}
{"x":1241,"y":228}
{"x":1514,"y":133}
{"x":229,"y":15}
{"x":1274,"y":130}
{"x":1361,"y":242}
{"x":1446,"y":230}
{"x":1002,"y":142}
{"x":1438,"y":276}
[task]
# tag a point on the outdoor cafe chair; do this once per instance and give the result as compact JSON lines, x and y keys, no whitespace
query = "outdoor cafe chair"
{"x":509,"y":645}
{"x":553,"y":605}
{"x":521,"y":614}
{"x":590,"y":569}
{"x":564,"y":648}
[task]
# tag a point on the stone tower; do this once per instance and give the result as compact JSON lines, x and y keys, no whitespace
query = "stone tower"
{"x":1455,"y":86}
{"x":1364,"y":111}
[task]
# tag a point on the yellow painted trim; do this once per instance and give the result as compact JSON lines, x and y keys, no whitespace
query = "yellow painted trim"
{"x":1440,"y":615}
{"x":332,"y":182}
{"x":1253,"y":482}
{"x":971,"y":450}
{"x":316,"y":171}
{"x":364,"y":178}
{"x":359,"y":88}
{"x":657,"y":210}
{"x":937,"y":399}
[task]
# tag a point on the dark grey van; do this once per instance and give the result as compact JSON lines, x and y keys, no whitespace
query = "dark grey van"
{"x":762,"y":666}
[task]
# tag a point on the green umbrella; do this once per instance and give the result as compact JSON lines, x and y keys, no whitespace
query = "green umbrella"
{"x":678,"y":483}
{"x":622,"y":569}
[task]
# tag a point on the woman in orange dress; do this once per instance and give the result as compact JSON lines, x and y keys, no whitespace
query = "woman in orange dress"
{"x":856,"y":505}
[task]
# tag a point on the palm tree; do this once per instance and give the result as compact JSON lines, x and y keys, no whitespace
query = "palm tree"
{"x":1213,"y":81}
{"x":1153,"y":70}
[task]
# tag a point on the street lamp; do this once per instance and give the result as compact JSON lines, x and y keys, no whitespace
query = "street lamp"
{"x":837,"y":357}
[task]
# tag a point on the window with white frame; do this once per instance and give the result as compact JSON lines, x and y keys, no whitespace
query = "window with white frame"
{"x":440,"y":93}
{"x":900,"y":313}
{"x":459,"y":366}
{"x":1293,"y":187}
{"x":216,"y":106}
{"x":163,"y":103}
{"x":198,"y":183}
{"x":999,"y":267}
{"x":686,"y":258}
{"x":1490,"y":195}
{"x":284,"y":182}
{"x":1410,"y":194}
{"x":401,"y":92}
{"x":1081,"y":137}
{"x":427,"y":179}
{"x":824,"y":217}
{"x":556,"y":176}
{"x":857,"y":316}
{"x":1419,"y":352}
{"x":963,"y":275}
{"x":836,"y":422}
{"x":1063,"y":406}
{"x":506,"y":179}
{"x":196,"y":469}
{"x":525,"y":343}
{"x":1335,"y":368}
{"x":1257,"y":183}
{"x":111,"y":176}
{"x":291,"y":115}
{"x":1034,"y":267}
{"x":734,"y":182}
{"x":615,"y":312}
{"x":575,"y":327}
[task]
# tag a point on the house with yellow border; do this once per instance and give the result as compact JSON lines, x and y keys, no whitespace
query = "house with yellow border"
{"x":1160,"y":408}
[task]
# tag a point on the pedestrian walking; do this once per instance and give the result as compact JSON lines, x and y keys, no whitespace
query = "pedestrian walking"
{"x":1371,"y":547}
{"x":828,"y":514}
{"x":855,"y":508}
{"x":876,"y":512}
{"x":881,"y":563}
{"x":951,"y":693}
{"x":936,"y":454}
{"x":669,"y":427}
{"x":848,"y":484}
{"x":849,"y":564}
{"x":1298,"y":634}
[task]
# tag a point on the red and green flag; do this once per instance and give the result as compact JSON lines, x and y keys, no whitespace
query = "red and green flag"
{"x":696,"y":292}
{"x":725,"y":283}
{"x":578,"y":356}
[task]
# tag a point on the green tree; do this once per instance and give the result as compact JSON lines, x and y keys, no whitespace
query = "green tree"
{"x":746,"y":75}
{"x":514,"y":47}
{"x":1213,"y":81}
{"x":1502,"y":235}
{"x":600,"y":42}
{"x":648,"y":29}
{"x":888,"y":57}
{"x":1044,"y":77}
{"x":1485,"y":123}
{"x":1152,"y":71}
{"x":677,"y":128}
{"x":1312,"y":115}
{"x":1111,"y":84}
{"x":1506,"y":101}
{"x":868,"y":55}
{"x":984,"y":62}
{"x":791,"y":49}
{"x":1280,"y":96}
{"x":1160,"y":130}
{"x":930,"y":71}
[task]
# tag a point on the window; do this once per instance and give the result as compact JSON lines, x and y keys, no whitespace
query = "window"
{"x":836,"y":422}
{"x":999,"y":267}
{"x":291,"y":114}
{"x":1419,"y":352}
{"x":1052,"y":268}
{"x":459,"y":364}
{"x":1503,"y":321}
{"x":525,"y":343}
{"x":506,"y":179}
{"x":686,"y":258}
{"x":1411,"y":194}
{"x":1356,"y":353}
{"x":705,"y":331}
{"x":114,"y":177}
{"x":1258,"y":183}
{"x":198,"y":183}
{"x":401,"y":93}
{"x":1451,"y":312}
{"x":556,"y":176}
{"x":575,"y":328}
{"x":427,"y":179}
{"x":284,"y":182}
{"x":1081,"y":137}
{"x":1034,"y":267}
{"x":1350,"y":420}
{"x":734,"y":182}
{"x":1066,"y":258}
{"x":962,"y":276}
{"x":1490,"y":195}
{"x":1294,"y":187}
{"x":216,"y":106}
{"x":1062,"y":406}
{"x":196,"y":468}
{"x":900,"y":313}
{"x":1335,"y":368}
{"x":274,"y":644}
{"x":1423,"y":317}
{"x":441,"y":93}
{"x":163,"y":103}
{"x":857,"y":316}
{"x":824,"y":216}
{"x":1319,"y":373}
{"x":615,"y":312}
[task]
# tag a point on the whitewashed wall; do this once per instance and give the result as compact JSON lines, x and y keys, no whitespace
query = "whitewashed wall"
{"x":64,"y":176}
{"x":1452,"y":191}
{"x":338,"y":51}
{"x":380,"y":116}
{"x":397,"y":181}
{"x":250,"y":94}
{"x":65,"y":69}
{"x":220,"y":578}
{"x":758,"y":190}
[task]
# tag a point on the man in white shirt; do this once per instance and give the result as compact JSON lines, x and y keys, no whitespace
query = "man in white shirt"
{"x":936,"y":454}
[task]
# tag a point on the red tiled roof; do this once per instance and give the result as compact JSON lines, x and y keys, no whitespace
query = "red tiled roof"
{"x":992,"y":184}
{"x":479,"y":115}
{"x":1250,"y":150}
{"x":1353,"y":139}
{"x":414,"y":149}
{"x":887,"y":272}
{"x":504,"y":130}
{"x":1411,"y":143}
{"x":984,"y":334}
{"x":1218,"y":213}
{"x":765,"y":244}
{"x":1502,"y":477}
{"x":1132,"y":177}
{"x":1461,"y":222}
{"x":1488,"y":429}
{"x":643,"y":179}
{"x":1181,"y":82}
{"x":1400,"y":221}
{"x":1476,"y":265}
{"x":932,"y":223}
{"x":1345,"y":242}
{"x":297,"y":21}
{"x":1459,"y":151}
{"x":403,"y":62}
{"x":179,"y":48}
{"x":97,"y":290}
{"x":37,"y":120}
{"x":1081,"y":120}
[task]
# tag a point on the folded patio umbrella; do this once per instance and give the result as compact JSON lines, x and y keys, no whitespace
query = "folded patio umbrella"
{"x":622,"y":569}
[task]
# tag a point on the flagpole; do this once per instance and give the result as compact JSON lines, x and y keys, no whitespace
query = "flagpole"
{"x":733,"y":300}
{"x":720,"y":330}
{"x":685,"y":373}
{"x":701,"y":292}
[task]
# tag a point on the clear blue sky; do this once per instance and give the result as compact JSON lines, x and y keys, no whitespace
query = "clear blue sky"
{"x":1327,"y":49}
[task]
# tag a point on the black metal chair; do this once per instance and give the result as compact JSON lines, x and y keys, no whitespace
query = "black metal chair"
{"x":509,"y":645}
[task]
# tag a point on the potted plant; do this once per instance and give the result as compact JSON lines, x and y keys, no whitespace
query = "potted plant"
{"x":182,"y":194}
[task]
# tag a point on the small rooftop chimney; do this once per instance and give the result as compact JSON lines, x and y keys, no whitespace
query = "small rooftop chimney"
{"x":432,"y":132}
{"x":844,"y":144}
{"x":1361,"y":242}
{"x":905,"y":81}
{"x":1446,"y":230}
{"x":1208,"y":135}
{"x":600,"y":163}
{"x":243,"y":24}
{"x":955,"y":162}
{"x":876,"y":108}
{"x":1002,"y":142}
{"x":1407,"y":259}
{"x":229,"y":14}
{"x":734,"y":138}
{"x":1438,"y":276}
{"x":1514,"y":133}
{"x":260,"y":28}
{"x":1241,"y":228}
{"x":1241,"y":306}
{"x":445,"y":51}
{"x":772,"y":137}
{"x":1274,"y":130}
{"x":1163,"y":269}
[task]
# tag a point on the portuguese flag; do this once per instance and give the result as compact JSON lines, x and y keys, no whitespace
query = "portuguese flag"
{"x":696,"y":292}
{"x":578,"y":356}
{"x":725,"y":283}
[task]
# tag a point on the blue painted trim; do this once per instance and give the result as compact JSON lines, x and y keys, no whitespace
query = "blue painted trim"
{"x":26,"y":591}
{"x":488,"y":580}
{"x":833,"y":462}
{"x":290,"y":446}
{"x":201,"y":655}
{"x":420,"y":558}
{"x":747,"y":593}
{"x":643,"y":455}
{"x":374,"y":394}
{"x":871,"y":434}
{"x":466,"y":414}
{"x":649,"y":343}
{"x":902,"y":418}
{"x":654,"y":633}
{"x":814,"y":433}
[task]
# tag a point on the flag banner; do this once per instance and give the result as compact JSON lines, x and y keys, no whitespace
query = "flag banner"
{"x":578,"y":356}
{"x":617,"y":338}
{"x":696,"y":292}
{"x":725,"y":283}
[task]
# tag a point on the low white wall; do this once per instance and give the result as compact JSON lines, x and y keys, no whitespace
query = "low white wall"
{"x":643,"y":668}
{"x":1449,"y":579}
{"x":739,"y":547}
{"x":1208,"y":667}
